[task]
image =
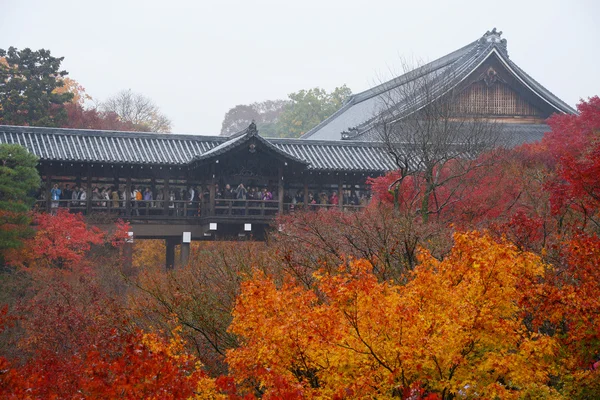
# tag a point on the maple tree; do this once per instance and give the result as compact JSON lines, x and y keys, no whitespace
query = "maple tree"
{"x":574,"y":146}
{"x":199,"y":297}
{"x":456,"y":327}
{"x":134,"y":365}
{"x":61,"y":241}
{"x":79,"y":95}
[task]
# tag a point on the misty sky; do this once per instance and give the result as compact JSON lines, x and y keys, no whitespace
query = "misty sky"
{"x":198,"y":59}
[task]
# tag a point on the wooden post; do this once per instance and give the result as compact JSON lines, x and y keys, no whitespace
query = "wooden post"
{"x":185,"y":254}
{"x":306,"y":193}
{"x":88,"y":192}
{"x":341,"y":193}
{"x":166,"y":191}
{"x":185,"y":248}
{"x":280,"y":190}
{"x":48,"y":192}
{"x":170,"y":256}
{"x":128,"y":255}
{"x":212,"y":195}
{"x":128,"y":196}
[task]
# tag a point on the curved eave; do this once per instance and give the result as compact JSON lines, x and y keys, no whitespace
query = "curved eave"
{"x":454,"y":57}
{"x":238,"y":141}
{"x":542,"y":93}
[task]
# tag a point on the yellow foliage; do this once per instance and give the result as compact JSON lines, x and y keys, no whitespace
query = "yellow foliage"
{"x":72,"y":86}
{"x":456,"y":327}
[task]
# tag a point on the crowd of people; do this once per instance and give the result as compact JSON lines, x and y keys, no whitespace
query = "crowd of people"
{"x":190,"y":201}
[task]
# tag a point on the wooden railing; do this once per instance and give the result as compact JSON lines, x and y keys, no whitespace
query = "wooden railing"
{"x":183,"y":209}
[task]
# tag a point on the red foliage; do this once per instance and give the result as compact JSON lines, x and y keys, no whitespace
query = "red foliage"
{"x":575,"y":146}
{"x":132,"y":366}
{"x":121,"y":233}
{"x":81,"y":118}
{"x":61,"y":241}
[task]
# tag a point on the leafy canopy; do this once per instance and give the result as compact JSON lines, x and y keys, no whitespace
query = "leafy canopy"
{"x":303,"y":111}
{"x":307,"y":108}
{"x":28,"y":83}
{"x":19,"y":178}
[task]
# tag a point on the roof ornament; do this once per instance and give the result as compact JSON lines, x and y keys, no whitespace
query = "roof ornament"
{"x":494,"y":37}
{"x":490,"y":77}
{"x":350,"y":133}
{"x":252,"y":129}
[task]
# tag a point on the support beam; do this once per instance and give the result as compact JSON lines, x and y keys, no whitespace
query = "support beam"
{"x":212,"y":194}
{"x":166,"y":191}
{"x":185,"y":254}
{"x":306,"y":193}
{"x":128,"y":196}
{"x":185,"y":248}
{"x":341,"y":193}
{"x":127,"y":257}
{"x":88,"y":192}
{"x":280,"y":190}
{"x":170,"y":254}
{"x":48,"y":192}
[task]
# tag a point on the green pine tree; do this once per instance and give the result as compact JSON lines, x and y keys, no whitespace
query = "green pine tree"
{"x":19,"y":179}
{"x":28,"y":80}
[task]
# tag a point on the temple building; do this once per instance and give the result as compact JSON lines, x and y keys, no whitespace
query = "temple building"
{"x":485,"y":83}
{"x":190,"y":184}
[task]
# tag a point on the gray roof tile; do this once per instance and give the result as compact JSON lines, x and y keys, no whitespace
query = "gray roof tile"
{"x":360,"y":110}
{"x":81,"y":145}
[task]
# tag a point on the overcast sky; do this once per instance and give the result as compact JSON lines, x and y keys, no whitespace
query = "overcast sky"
{"x":197,"y":59}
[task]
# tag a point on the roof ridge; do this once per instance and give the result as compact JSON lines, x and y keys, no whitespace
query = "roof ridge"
{"x":113,"y":133}
{"x":419,"y":71}
{"x":397,"y":81}
{"x":481,"y":54}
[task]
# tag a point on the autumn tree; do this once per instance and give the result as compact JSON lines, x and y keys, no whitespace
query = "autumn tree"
{"x":138,"y":110}
{"x":454,"y":330}
{"x":79,"y":93}
{"x":213,"y":274}
{"x":431,"y":139}
{"x":28,"y":88}
{"x":127,"y":365}
{"x":18,"y":181}
{"x":265,"y":114}
{"x":307,"y":108}
{"x":80,"y":117}
{"x":310,"y":241}
{"x":574,"y":147}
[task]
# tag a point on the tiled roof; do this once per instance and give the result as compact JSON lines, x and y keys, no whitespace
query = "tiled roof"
{"x":243,"y":137}
{"x":361,"y":109}
{"x":510,"y":135}
{"x":78,"y":145}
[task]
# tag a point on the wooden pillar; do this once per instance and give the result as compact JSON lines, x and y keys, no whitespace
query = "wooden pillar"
{"x":212,"y":194}
{"x":127,"y":258}
{"x":280,"y":190}
{"x":185,"y":254}
{"x":341,"y":193}
{"x":48,"y":194}
{"x":88,"y":192}
{"x":185,"y":248}
{"x":166,"y":191}
{"x":305,"y":192}
{"x":128,"y":196}
{"x":170,"y":253}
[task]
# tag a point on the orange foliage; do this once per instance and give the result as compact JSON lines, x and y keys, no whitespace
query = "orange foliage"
{"x":74,"y":87}
{"x":456,"y":328}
